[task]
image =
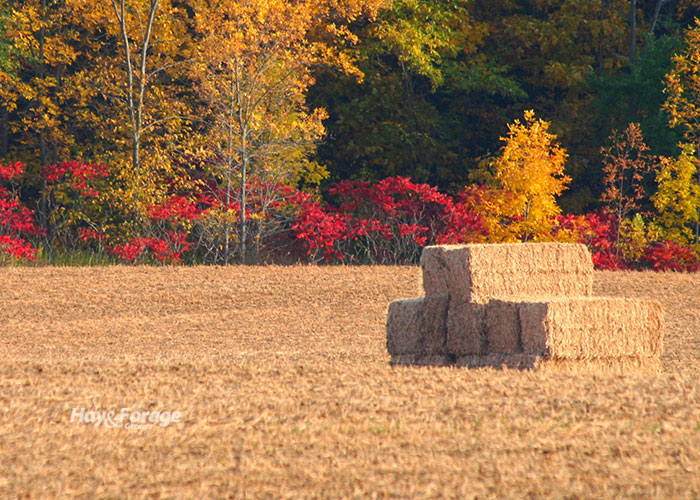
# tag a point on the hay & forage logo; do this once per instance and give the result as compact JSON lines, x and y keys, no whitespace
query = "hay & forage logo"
{"x":126,"y":418}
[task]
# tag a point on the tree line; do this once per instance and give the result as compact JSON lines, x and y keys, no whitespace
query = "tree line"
{"x":235,"y":104}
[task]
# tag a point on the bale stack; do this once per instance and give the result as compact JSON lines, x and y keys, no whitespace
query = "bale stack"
{"x":521,"y":305}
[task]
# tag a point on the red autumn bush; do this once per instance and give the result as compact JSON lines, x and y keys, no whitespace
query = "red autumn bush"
{"x":169,"y":224}
{"x":384,"y":223}
{"x":670,"y":256}
{"x":16,"y":220}
{"x":76,"y":214}
{"x":76,"y":175}
{"x":166,"y":250}
{"x":599,"y":232}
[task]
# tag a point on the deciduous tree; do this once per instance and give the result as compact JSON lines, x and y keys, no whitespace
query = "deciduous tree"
{"x":683,"y":91}
{"x":678,"y":197}
{"x":626,"y":162}
{"x":529,"y":171}
{"x":252,"y":70}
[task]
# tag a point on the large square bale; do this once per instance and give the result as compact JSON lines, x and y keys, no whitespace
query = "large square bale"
{"x":417,"y":326}
{"x":466,"y":328}
{"x":482,"y":272}
{"x":436,"y":275}
{"x":593,"y":327}
{"x":503,"y":327}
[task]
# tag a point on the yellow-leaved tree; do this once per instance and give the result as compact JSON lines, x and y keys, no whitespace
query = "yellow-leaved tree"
{"x":683,"y":95}
{"x":253,"y":69}
{"x":138,"y":52}
{"x":527,"y":175}
{"x":678,"y":197}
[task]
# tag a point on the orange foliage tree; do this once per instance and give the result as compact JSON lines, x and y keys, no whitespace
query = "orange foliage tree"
{"x":625,"y":163}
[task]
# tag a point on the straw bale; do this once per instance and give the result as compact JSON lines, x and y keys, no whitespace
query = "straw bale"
{"x":417,"y":326}
{"x":466,"y":328}
{"x":403,"y":328}
{"x":434,"y":325}
{"x":588,"y":328}
{"x":503,"y":327}
{"x":481,"y":272}
{"x":436,"y":274}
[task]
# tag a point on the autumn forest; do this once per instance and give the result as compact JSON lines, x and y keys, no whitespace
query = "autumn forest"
{"x":347,"y":131}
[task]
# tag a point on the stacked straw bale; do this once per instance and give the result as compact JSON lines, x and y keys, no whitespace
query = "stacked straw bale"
{"x":480,"y":273}
{"x":521,"y":306}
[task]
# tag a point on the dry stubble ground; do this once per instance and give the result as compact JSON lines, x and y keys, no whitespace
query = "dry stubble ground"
{"x":282,"y":377}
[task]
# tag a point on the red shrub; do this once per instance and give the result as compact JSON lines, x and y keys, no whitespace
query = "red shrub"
{"x":669,"y":256}
{"x":166,"y":250}
{"x":16,"y":220}
{"x":385,"y":223}
{"x":76,"y":175}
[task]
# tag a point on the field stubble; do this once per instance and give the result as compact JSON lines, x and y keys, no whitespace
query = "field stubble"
{"x":284,"y":383}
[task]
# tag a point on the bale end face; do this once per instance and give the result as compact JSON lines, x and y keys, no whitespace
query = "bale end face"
{"x":417,"y":326}
{"x":404,"y":336}
{"x":466,"y":328}
{"x":434,"y":271}
{"x":503,"y":327}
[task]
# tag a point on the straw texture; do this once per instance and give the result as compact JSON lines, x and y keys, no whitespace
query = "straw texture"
{"x":417,"y":326}
{"x":482,"y":272}
{"x":589,"y":328}
{"x":466,"y":328}
{"x":403,"y":327}
{"x":521,"y":306}
{"x":422,"y":360}
{"x":503,"y":327}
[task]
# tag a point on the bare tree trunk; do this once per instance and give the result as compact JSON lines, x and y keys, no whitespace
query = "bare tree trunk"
{"x":43,"y":147}
{"x":4,"y":132}
{"x":135,"y":96}
{"x":227,"y":226}
{"x":603,"y":14}
{"x":654,"y":21}
{"x":244,"y":155}
{"x":633,"y":30}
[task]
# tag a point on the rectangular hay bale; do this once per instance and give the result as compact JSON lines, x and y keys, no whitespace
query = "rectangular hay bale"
{"x":592,"y":327}
{"x":482,"y":272}
{"x":417,"y":326}
{"x":503,"y":327}
{"x":466,"y":328}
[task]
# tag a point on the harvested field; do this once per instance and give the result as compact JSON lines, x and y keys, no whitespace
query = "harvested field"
{"x":282,"y":376}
